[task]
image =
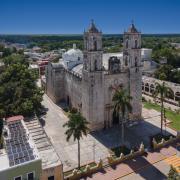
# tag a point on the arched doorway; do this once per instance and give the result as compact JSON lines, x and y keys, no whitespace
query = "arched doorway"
{"x":152,"y":88}
{"x":177,"y":96}
{"x":147,"y":87}
{"x":115,"y":118}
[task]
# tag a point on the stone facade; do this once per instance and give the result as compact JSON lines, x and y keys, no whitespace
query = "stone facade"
{"x":90,"y":86}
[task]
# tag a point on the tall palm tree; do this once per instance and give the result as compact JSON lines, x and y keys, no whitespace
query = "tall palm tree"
{"x":76,"y":127}
{"x":121,"y":104}
{"x":162,"y":91}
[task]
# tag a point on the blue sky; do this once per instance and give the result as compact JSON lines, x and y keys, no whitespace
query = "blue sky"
{"x":72,"y":16}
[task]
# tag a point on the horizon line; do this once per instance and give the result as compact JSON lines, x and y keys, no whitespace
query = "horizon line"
{"x":75,"y":34}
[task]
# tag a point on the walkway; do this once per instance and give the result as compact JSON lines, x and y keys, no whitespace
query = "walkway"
{"x":174,"y":161}
{"x":96,"y":145}
{"x":150,"y":166}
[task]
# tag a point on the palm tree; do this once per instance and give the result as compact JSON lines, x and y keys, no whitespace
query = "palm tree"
{"x":162,"y":91}
{"x":76,"y":127}
{"x":122,"y":104}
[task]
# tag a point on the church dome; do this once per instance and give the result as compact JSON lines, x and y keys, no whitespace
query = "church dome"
{"x":73,"y":54}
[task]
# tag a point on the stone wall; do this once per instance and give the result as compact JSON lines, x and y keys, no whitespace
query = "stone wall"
{"x":57,"y":172}
{"x":73,"y":90}
{"x":112,"y":81}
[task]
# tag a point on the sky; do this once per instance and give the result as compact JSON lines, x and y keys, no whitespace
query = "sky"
{"x":73,"y":16}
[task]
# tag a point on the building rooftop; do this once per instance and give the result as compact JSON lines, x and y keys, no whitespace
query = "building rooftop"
{"x":46,"y":150}
{"x":19,"y":147}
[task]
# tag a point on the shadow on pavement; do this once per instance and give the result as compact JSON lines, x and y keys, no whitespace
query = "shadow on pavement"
{"x":134,"y":135}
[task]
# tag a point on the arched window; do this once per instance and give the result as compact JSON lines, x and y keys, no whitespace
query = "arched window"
{"x":152,"y":88}
{"x":136,"y":44}
{"x":177,"y":96}
{"x":142,"y":86}
{"x":126,"y":61}
{"x":127,"y":43}
{"x":147,"y":87}
{"x":95,"y":65}
{"x":95,"y":45}
{"x":136,"y":62}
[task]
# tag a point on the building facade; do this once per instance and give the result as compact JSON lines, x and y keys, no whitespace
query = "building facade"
{"x":90,"y":83}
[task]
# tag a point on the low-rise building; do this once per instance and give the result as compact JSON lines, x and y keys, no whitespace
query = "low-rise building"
{"x":19,"y":159}
{"x":27,"y":152}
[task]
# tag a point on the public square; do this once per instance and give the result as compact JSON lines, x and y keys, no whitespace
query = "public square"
{"x":96,"y":145}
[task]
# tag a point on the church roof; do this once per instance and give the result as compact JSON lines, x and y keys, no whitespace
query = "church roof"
{"x":92,"y":28}
{"x":132,"y":29}
{"x":78,"y":69}
{"x":73,"y":54}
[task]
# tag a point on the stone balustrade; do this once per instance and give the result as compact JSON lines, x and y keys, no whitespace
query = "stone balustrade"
{"x":88,"y":170}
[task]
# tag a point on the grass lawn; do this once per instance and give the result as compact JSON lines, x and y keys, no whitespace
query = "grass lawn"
{"x":171,"y":115}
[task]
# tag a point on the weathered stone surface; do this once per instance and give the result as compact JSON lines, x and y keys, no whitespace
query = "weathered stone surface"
{"x":91,"y":91}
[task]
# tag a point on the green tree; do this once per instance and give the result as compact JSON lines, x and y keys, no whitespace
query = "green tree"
{"x":76,"y":127}
{"x":122,"y":104}
{"x":15,"y":59}
{"x":19,"y":93}
{"x":173,"y":175}
{"x":162,"y":91}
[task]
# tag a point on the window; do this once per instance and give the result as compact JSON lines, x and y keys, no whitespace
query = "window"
{"x":95,"y":45}
{"x":30,"y":176}
{"x":127,"y":43}
{"x":18,"y":178}
{"x":126,"y":61}
{"x":95,"y":65}
{"x":136,"y":44}
{"x":51,"y":178}
{"x":136,"y":62}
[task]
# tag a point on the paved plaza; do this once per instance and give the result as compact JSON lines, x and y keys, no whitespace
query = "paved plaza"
{"x":151,"y":166}
{"x":96,"y":144}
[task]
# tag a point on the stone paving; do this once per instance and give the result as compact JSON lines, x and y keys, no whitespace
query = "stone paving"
{"x":96,"y":145}
{"x":150,"y":166}
{"x":91,"y":149}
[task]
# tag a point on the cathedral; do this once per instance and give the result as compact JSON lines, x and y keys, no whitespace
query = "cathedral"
{"x":87,"y":80}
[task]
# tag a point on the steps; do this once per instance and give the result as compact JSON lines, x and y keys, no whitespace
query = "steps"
{"x":174,"y":161}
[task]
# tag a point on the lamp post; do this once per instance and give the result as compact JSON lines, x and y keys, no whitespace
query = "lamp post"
{"x":94,"y":145}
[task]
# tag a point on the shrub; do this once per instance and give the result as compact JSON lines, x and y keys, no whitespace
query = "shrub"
{"x":173,"y":175}
{"x":66,"y":109}
{"x":73,"y":110}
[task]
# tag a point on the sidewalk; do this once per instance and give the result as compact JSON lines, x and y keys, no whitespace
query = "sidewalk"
{"x":135,"y":165}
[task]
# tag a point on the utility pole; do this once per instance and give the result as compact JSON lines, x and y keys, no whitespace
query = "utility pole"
{"x":94,"y":145}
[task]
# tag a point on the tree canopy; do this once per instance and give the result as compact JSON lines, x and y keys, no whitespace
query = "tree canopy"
{"x":167,"y":73}
{"x":18,"y":91}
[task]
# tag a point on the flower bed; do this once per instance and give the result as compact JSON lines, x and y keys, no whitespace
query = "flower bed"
{"x":120,"y":149}
{"x":163,"y":142}
{"x":113,"y":160}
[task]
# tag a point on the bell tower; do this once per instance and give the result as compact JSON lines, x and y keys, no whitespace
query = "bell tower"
{"x":93,"y":49}
{"x":132,"y":61}
{"x":93,"y":78}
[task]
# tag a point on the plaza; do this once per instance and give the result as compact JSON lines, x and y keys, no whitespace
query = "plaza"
{"x":97,"y":144}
